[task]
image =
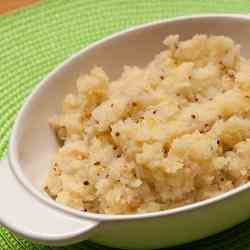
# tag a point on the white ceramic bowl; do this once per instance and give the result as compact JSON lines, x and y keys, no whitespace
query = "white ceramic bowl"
{"x":24,"y":208}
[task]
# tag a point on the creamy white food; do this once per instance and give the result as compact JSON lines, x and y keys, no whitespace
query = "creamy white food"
{"x":159,"y":137}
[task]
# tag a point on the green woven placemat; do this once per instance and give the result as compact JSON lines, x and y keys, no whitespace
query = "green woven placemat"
{"x":33,"y":41}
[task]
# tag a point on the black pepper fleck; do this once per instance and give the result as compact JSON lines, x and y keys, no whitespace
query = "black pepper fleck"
{"x":165,"y":152}
{"x":117,"y":134}
{"x":86,"y":183}
{"x":193,"y":116}
{"x":54,"y":196}
{"x":97,"y":163}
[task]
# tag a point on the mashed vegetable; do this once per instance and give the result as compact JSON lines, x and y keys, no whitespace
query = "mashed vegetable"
{"x":159,"y":137}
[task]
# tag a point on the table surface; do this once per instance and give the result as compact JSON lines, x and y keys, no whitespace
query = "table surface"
{"x":10,"y":5}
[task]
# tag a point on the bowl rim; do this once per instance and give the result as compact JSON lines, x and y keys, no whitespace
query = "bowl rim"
{"x":23,"y":180}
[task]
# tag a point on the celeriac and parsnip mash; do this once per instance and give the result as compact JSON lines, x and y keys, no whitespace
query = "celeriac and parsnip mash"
{"x":159,"y":137}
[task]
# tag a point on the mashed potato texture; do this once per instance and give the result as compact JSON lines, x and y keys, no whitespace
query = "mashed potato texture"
{"x":172,"y":133}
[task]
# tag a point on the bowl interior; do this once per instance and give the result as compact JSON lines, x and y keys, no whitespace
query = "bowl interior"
{"x":33,"y":143}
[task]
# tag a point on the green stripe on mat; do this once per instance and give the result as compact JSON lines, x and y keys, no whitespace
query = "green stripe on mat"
{"x":36,"y":39}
